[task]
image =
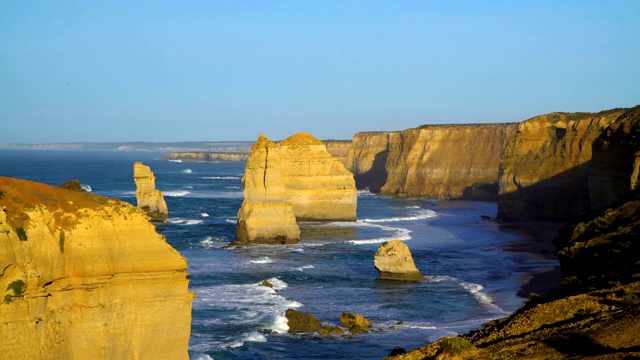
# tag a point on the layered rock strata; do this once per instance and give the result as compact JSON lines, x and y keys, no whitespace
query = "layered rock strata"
{"x":266,"y":215}
{"x":393,"y":261}
{"x":545,"y":167}
{"x":340,"y":149}
{"x":148,"y":197}
{"x":615,"y":165}
{"x":368,"y":155}
{"x":318,"y":185}
{"x":87,"y":277}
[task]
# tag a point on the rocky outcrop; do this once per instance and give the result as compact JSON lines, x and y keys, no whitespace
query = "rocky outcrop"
{"x":339,"y":149}
{"x":301,"y":322}
{"x":86,"y":277}
{"x":266,"y":215}
{"x":205,"y":156}
{"x":544,"y":170}
{"x":356,"y":323}
{"x":368,"y":155}
{"x":615,"y":165}
{"x":149,"y":198}
{"x":393,"y":261}
{"x":73,"y":185}
{"x":318,"y":185}
{"x":440,"y":161}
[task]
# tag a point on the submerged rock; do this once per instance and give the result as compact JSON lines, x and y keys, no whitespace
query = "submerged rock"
{"x":149,"y":198}
{"x":393,"y":261}
{"x":356,"y":323}
{"x":301,"y":322}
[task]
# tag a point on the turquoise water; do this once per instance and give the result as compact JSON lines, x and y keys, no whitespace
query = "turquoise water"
{"x":470,"y":279}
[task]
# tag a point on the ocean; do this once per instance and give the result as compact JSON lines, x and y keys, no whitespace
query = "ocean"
{"x":470,"y":278}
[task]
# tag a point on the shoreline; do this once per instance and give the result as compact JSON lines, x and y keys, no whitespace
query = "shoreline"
{"x":535,"y":237}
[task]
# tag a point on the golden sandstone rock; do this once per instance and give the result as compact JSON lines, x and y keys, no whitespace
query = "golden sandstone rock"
{"x":393,"y":261}
{"x":87,"y":277}
{"x":149,"y":198}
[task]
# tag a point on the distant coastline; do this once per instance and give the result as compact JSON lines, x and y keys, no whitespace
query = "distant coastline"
{"x":210,"y":146}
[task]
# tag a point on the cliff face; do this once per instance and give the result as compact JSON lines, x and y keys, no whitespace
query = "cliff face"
{"x":368,"y":158}
{"x":339,"y":149}
{"x":86,"y":277}
{"x":204,"y":156}
{"x":149,"y":198}
{"x":615,"y":166}
{"x":441,"y":161}
{"x":318,"y":185}
{"x":544,"y":170}
{"x":266,"y":215}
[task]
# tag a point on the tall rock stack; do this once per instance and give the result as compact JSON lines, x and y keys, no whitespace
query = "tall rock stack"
{"x":318,"y":185}
{"x":87,"y":277}
{"x":615,"y":166}
{"x":149,"y":198}
{"x":266,"y":215}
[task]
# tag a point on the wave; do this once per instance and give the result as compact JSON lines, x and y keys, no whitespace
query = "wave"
{"x":398,"y":234}
{"x":201,"y":356}
{"x":417,"y":215}
{"x":211,"y":242}
{"x":176,"y":160}
{"x":253,"y":336}
{"x":86,"y":188}
{"x":476,"y":291}
{"x":365,"y":192}
{"x":231,"y":221}
{"x":219,"y":177}
{"x":262,"y":260}
{"x":204,"y":214}
{"x":180,"y":221}
{"x":304,"y":267}
{"x":176,"y":193}
{"x":186,"y":171}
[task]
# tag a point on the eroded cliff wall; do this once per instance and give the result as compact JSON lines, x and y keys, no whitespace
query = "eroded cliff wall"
{"x":441,"y":161}
{"x":87,"y":277}
{"x":339,"y":149}
{"x":544,"y":169}
{"x":368,"y":159}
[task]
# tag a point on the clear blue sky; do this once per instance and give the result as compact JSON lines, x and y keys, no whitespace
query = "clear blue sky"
{"x":226,"y":70}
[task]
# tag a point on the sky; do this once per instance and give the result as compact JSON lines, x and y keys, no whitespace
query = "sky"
{"x":101,"y":71}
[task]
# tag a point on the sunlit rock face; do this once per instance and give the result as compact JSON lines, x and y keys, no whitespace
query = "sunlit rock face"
{"x":266,"y":215}
{"x":87,"y":277}
{"x":149,"y":198}
{"x":545,"y":167}
{"x":441,"y":161}
{"x":393,"y":261}
{"x":318,"y":185}
{"x":615,"y":166}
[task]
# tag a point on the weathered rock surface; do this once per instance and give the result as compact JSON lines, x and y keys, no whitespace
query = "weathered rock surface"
{"x":301,"y":322}
{"x":339,"y":149}
{"x":544,"y":170}
{"x":206,"y":156}
{"x":87,"y":277}
{"x":615,"y":166}
{"x":319,"y":187}
{"x":356,"y":323}
{"x":149,"y":198}
{"x":73,"y":185}
{"x":368,"y":155}
{"x":266,"y":215}
{"x":440,"y":161}
{"x":393,"y":261}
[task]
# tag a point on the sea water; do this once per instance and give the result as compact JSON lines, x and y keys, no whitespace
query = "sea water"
{"x":470,"y":279}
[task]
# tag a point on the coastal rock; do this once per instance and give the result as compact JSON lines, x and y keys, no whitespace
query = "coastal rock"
{"x":301,"y":322}
{"x":206,"y":156}
{"x":319,"y":187}
{"x":356,"y":323}
{"x":87,"y":277}
{"x":615,"y":166}
{"x":393,"y":261}
{"x":339,"y":149}
{"x":149,"y":198}
{"x":73,"y":185}
{"x":368,"y":155}
{"x":545,"y":167}
{"x":266,"y":215}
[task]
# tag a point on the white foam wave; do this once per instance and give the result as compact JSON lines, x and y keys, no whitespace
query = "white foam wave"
{"x":186,"y":171}
{"x":417,"y":215}
{"x":231,"y":221}
{"x":175,"y":160}
{"x":176,"y":193}
{"x":204,"y":214}
{"x":398,"y":233}
{"x":262,"y":260}
{"x":304,"y":267}
{"x":219,"y":177}
{"x":211,"y":242}
{"x":253,"y":336}
{"x":86,"y":188}
{"x":201,"y":356}
{"x":180,"y":221}
{"x":365,"y":192}
{"x":277,"y":283}
{"x":476,"y":291}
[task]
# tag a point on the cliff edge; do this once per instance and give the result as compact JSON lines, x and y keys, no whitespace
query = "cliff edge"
{"x":86,"y":277}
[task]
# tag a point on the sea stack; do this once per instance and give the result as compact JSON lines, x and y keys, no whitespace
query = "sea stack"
{"x":266,"y":216}
{"x":149,"y":198}
{"x":87,"y":277}
{"x":319,"y":187}
{"x":393,"y":261}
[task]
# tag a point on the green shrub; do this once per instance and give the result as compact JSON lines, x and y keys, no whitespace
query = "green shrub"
{"x":456,"y":345}
{"x":22,"y":235}
{"x":18,"y":289}
{"x":62,"y":241}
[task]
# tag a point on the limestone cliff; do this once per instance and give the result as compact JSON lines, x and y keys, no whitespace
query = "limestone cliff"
{"x":441,"y":161}
{"x":318,"y":185}
{"x":544,"y":170}
{"x":615,"y":166}
{"x":339,"y":149}
{"x":266,"y":215}
{"x":205,"y":156}
{"x":149,"y":198}
{"x":86,"y":277}
{"x":368,"y":158}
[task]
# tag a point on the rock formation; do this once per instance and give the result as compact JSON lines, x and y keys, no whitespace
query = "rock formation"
{"x":206,"y":156}
{"x":149,"y":198}
{"x":318,"y":185}
{"x":266,"y":215}
{"x":615,"y":166}
{"x":356,"y":323}
{"x":339,"y":149}
{"x":87,"y":277}
{"x":368,"y":155}
{"x":301,"y":322}
{"x":393,"y":261}
{"x":544,"y":170}
{"x":73,"y":185}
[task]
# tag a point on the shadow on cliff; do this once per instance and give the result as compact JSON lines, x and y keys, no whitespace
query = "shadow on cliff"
{"x":563,"y":197}
{"x":376,"y":177}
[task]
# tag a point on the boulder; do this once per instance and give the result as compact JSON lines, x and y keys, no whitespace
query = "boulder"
{"x":148,"y":197}
{"x":393,"y":261}
{"x":356,"y":323}
{"x":301,"y":322}
{"x":266,"y":215}
{"x":73,"y":185}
